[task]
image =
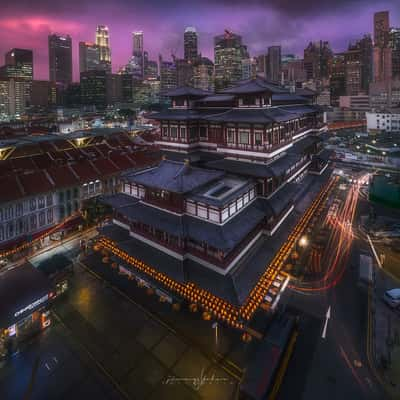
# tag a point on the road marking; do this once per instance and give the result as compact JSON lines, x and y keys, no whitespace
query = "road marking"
{"x":327,"y":317}
{"x":47,"y":366}
{"x":55,"y":360}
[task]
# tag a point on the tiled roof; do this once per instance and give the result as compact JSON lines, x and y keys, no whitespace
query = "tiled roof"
{"x":257,"y":85}
{"x":35,"y":182}
{"x":11,"y":190}
{"x":105,"y":166}
{"x":85,"y":171}
{"x":121,"y":160}
{"x":175,"y":177}
{"x":42,"y":161}
{"x":62,"y":176}
{"x":23,"y":164}
{"x":187,"y":91}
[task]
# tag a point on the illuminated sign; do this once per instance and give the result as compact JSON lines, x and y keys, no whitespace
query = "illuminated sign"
{"x":32,"y":305}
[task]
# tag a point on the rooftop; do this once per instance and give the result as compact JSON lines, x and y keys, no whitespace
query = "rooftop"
{"x":174,"y":176}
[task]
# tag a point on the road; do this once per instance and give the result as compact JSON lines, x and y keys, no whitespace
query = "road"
{"x":336,"y":366}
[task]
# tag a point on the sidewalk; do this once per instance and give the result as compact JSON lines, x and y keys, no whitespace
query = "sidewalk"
{"x":87,"y":234}
{"x":385,"y":336}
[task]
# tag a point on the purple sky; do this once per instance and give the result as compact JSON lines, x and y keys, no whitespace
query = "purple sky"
{"x":291,"y":23}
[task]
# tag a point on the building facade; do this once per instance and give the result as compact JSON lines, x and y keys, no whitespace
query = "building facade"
{"x":60,"y":59}
{"x":190,"y":44}
{"x":229,"y":51}
{"x":89,"y":57}
{"x":103,"y":42}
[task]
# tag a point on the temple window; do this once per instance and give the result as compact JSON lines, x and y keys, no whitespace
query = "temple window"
{"x":243,"y":137}
{"x":230,"y":135}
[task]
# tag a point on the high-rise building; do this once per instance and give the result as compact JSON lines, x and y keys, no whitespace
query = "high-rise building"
{"x":13,"y":97}
{"x":249,"y":68}
{"x":103,"y":41}
{"x":44,"y":94}
{"x":293,"y":70}
{"x":18,"y":64}
{"x":274,"y":64}
{"x":150,"y":68}
{"x":190,"y":44}
{"x":184,"y":72}
{"x":93,"y":89}
{"x":381,"y":29}
{"x":229,"y":52}
{"x":137,"y":61}
{"x":60,"y":59}
{"x":353,"y":71}
{"x":168,"y":77}
{"x":382,"y":53}
{"x":317,"y":60}
{"x":338,"y":78}
{"x":137,"y":43}
{"x":203,"y":74}
{"x":394,"y":44}
{"x":89,"y":57}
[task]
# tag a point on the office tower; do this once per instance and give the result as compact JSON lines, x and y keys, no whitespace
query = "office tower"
{"x":203,"y":74}
{"x":89,"y":57}
{"x":382,"y":53}
{"x":150,"y":68}
{"x":43,"y":94}
{"x":113,"y":89}
{"x":293,"y":70}
{"x":249,"y":68}
{"x":317,"y":60}
{"x":18,"y":64}
{"x":138,"y":58}
{"x":394,"y":44}
{"x":262,"y":65}
{"x":381,"y":29}
{"x":13,"y":97}
{"x":365,"y":46}
{"x":184,"y":72}
{"x":352,"y":59}
{"x":338,"y":78}
{"x":103,"y":41}
{"x":168,"y":77}
{"x":60,"y":59}
{"x":274,"y":64}
{"x":93,"y":89}
{"x":228,"y":54}
{"x":190,"y":44}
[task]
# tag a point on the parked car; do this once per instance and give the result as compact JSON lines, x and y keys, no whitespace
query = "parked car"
{"x":392,"y":297}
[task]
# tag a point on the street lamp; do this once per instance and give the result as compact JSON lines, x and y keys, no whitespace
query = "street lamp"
{"x":303,"y":242}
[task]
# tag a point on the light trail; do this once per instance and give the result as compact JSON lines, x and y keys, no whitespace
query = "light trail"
{"x":337,"y":250}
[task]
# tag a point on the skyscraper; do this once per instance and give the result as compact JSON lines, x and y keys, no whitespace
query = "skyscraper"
{"x":190,"y":44}
{"x":60,"y":59}
{"x":228,"y":54}
{"x":274,"y":64}
{"x":203,"y":74}
{"x":103,"y":41}
{"x":394,"y":44}
{"x":382,"y":53}
{"x":353,"y":70}
{"x":18,"y":64}
{"x":317,"y":60}
{"x":168,"y":77}
{"x":381,"y":29}
{"x":93,"y":88}
{"x":89,"y":57}
{"x":137,"y":61}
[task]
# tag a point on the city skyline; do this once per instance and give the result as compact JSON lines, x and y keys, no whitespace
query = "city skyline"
{"x":24,"y":27}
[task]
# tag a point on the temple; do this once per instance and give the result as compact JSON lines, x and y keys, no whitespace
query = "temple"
{"x":238,"y":166}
